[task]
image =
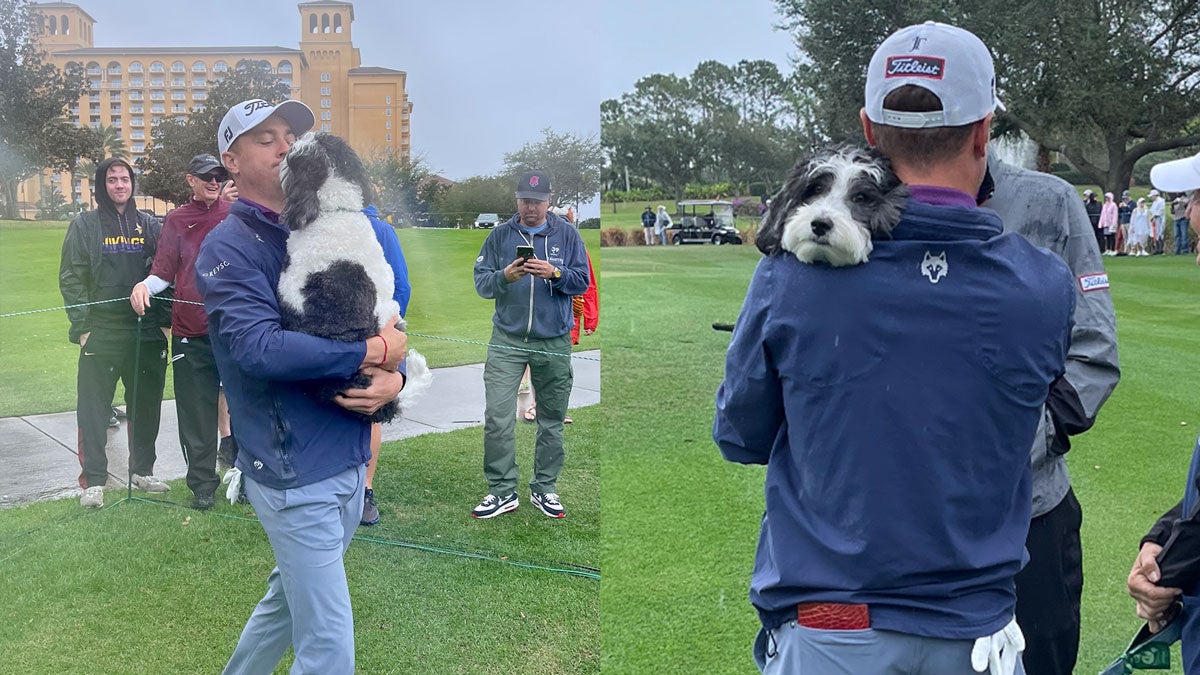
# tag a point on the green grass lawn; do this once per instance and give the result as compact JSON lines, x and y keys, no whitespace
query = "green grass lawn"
{"x":680,"y":523}
{"x":628,"y":215}
{"x":142,"y":587}
{"x":38,"y":364}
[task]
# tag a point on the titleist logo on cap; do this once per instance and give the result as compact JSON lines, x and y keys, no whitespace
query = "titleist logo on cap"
{"x":915,"y":66}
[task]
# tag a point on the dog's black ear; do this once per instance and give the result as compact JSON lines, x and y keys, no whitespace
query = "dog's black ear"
{"x":307,"y":171}
{"x":895,"y":195}
{"x":350,"y":167}
{"x":769,"y":238}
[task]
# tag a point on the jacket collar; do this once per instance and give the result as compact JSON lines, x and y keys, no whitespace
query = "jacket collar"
{"x":255,"y":216}
{"x":946,"y":223}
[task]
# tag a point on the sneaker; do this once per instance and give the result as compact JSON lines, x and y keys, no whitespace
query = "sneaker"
{"x":149,"y":484}
{"x":118,"y":413}
{"x":202,"y":501}
{"x":492,"y":506}
{"x":547,"y":503}
{"x":113,"y":422}
{"x":93,"y":497}
{"x":370,"y":514}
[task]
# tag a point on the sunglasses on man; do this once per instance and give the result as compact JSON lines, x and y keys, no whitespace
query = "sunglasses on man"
{"x":210,"y":176}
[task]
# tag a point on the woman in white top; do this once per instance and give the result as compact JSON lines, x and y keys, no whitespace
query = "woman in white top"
{"x":662,"y":223}
{"x":1139,"y":228}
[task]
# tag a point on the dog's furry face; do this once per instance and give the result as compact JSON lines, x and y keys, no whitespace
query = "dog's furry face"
{"x":322,"y":168}
{"x":833,"y":203}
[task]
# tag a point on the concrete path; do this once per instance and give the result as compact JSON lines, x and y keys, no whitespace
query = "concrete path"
{"x":37,"y":452}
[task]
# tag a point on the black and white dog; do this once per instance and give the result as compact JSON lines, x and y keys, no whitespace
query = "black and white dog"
{"x":335,"y":282}
{"x":832,"y":205}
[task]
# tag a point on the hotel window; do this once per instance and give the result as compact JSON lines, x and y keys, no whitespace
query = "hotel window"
{"x":93,"y":68}
{"x":95,"y":110}
{"x":199,"y":95}
{"x":156,"y":107}
{"x":178,"y":108}
{"x":389,"y":138}
{"x":135,"y":67}
{"x":139,"y":147}
{"x":387,"y":100}
{"x":156,"y":67}
{"x":138,"y":135}
{"x":178,"y":67}
{"x":326,"y":128}
{"x":178,"y":81}
{"x":326,"y":115}
{"x":285,"y":68}
{"x":114,"y":68}
{"x":178,"y":95}
{"x":199,"y":81}
{"x":94,"y":97}
{"x":156,"y":80}
{"x":220,"y":67}
{"x":135,"y":108}
{"x":325,"y":77}
{"x":199,"y":67}
{"x":325,"y":103}
{"x":115,"y":109}
{"x":115,"y":122}
{"x":325,"y":91}
{"x":286,"y":81}
{"x":135,"y":95}
{"x":388,"y":125}
{"x":156,"y":95}
{"x":135,"y":81}
{"x":387,"y":112}
{"x":95,"y":83}
{"x":114,"y":83}
{"x":137,"y":121}
{"x":155,"y":120}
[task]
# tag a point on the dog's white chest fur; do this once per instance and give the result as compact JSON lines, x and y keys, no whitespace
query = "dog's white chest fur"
{"x":341,"y":232}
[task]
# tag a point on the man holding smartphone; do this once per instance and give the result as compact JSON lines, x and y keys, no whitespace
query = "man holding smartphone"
{"x":531,"y":266}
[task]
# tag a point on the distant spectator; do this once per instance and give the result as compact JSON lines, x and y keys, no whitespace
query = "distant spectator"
{"x":1108,"y":225}
{"x":662,"y":223}
{"x":648,"y":225}
{"x":1179,"y":211}
{"x":1158,"y":222}
{"x":1124,"y":211}
{"x":1139,"y":228}
{"x":1093,"y":209}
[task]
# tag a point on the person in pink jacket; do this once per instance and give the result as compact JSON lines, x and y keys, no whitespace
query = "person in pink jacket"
{"x":1108,"y":224}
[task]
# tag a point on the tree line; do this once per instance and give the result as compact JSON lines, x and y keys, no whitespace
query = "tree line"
{"x":1104,"y":84}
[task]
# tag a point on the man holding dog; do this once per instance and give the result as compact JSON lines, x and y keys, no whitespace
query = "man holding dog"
{"x":894,"y":402}
{"x":302,"y":460}
{"x":531,"y":266}
{"x":197,"y":383}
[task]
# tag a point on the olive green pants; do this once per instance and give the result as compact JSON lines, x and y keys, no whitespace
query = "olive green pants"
{"x":551,"y":377}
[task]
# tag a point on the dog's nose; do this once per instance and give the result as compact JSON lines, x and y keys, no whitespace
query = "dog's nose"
{"x":820,"y":227}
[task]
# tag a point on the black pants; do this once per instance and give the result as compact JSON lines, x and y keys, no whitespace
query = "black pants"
{"x":107,"y":357}
{"x":1049,"y":590}
{"x":196,"y":385}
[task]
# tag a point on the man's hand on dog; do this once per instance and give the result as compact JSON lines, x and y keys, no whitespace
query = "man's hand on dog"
{"x":397,"y":348}
{"x":385,"y":386}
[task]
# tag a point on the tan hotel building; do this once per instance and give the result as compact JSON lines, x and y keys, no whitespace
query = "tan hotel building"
{"x":133,"y":88}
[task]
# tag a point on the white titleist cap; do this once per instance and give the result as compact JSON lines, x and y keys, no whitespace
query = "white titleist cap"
{"x":248,"y":114}
{"x":1179,"y":175}
{"x":948,"y":61}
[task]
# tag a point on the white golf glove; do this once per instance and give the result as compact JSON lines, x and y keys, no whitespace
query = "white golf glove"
{"x":998,"y":654}
{"x":234,"y":477}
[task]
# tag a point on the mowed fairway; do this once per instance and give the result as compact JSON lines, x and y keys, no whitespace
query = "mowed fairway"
{"x":680,"y":523}
{"x":38,"y":364}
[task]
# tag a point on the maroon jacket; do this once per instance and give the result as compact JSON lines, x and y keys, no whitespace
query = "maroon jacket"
{"x":184,"y":229}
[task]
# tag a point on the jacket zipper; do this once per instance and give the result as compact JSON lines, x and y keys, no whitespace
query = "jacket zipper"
{"x":529,"y":325}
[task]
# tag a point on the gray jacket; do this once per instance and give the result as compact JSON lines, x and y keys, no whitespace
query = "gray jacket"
{"x":1046,"y":210}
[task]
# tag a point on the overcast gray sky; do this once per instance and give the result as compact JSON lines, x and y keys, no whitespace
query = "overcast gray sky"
{"x":484,"y":76}
{"x":642,"y":37}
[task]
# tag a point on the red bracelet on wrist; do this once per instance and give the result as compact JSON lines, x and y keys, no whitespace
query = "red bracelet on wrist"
{"x":384,"y":360}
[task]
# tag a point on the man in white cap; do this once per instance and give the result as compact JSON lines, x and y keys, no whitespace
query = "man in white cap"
{"x":897,"y":440}
{"x":302,"y":460}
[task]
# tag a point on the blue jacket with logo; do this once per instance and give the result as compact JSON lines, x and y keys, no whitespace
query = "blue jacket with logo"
{"x":532,"y":307}
{"x":287,"y":438}
{"x":894,"y":404}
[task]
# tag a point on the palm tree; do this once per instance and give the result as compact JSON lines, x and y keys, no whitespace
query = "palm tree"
{"x":114,"y":144}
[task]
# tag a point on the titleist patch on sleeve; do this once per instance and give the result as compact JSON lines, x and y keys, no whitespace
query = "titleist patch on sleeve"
{"x":1093,"y":282}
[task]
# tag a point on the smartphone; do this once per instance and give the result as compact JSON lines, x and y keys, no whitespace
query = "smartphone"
{"x":525,"y":252}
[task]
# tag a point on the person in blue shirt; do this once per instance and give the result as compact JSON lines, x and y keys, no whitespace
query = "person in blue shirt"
{"x":894,"y":402}
{"x":394,"y":254}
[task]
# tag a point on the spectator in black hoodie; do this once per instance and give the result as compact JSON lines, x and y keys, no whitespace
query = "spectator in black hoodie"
{"x":106,"y":252}
{"x":1093,"y":209}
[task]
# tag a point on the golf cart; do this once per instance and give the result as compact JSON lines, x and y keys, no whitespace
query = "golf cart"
{"x":704,"y":221}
